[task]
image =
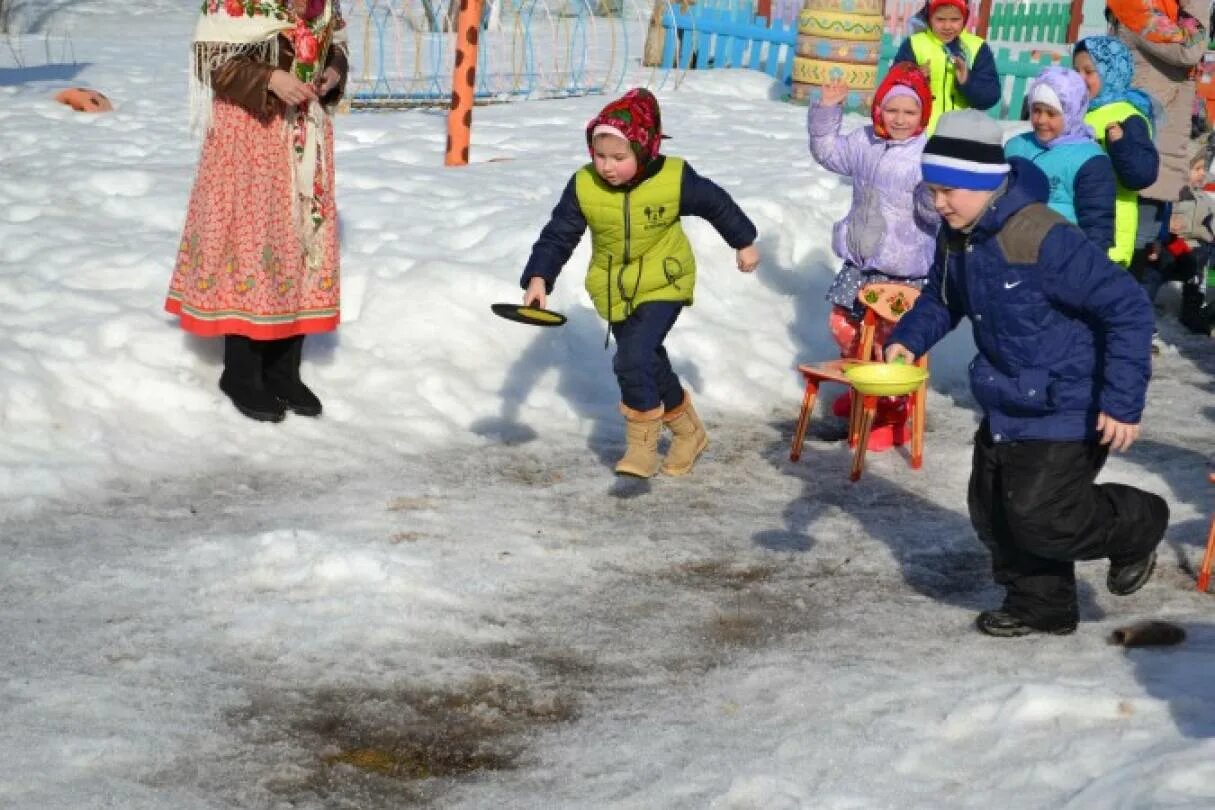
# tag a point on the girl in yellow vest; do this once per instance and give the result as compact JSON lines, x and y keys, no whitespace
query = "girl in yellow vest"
{"x":642,"y":271}
{"x":1121,"y":118}
{"x":960,"y":67}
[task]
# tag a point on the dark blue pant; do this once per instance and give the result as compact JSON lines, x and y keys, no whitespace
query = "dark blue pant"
{"x":641,"y":364}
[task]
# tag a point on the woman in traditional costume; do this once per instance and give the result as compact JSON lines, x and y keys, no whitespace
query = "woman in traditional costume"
{"x":258,"y":261}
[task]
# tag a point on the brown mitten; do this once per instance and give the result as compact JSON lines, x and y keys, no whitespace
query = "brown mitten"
{"x":1148,"y":634}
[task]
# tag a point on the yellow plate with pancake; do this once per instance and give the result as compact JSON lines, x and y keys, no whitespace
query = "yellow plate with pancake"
{"x":533,"y":315}
{"x":885,"y":379}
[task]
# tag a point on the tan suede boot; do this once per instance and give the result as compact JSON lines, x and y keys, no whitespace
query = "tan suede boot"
{"x":690,"y":437}
{"x":642,"y":429}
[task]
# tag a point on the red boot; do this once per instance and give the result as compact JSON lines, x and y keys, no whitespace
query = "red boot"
{"x":842,"y":406}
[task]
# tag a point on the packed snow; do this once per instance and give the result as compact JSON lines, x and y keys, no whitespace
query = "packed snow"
{"x":438,"y":594}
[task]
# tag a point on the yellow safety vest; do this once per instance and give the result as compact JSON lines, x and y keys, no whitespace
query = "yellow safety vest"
{"x":639,"y":251}
{"x":1126,"y":201}
{"x":946,"y":95}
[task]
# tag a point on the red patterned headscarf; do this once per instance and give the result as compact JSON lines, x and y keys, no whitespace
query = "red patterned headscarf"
{"x":902,"y":74}
{"x":635,"y":117}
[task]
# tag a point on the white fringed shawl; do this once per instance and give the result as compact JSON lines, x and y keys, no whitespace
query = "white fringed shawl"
{"x":228,"y":29}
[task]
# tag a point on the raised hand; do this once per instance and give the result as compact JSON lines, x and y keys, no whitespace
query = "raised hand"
{"x":834,"y":93}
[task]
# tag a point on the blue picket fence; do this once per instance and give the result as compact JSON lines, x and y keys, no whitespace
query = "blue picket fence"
{"x":727,"y":34}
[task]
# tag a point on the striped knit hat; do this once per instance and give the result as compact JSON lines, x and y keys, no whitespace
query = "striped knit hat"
{"x":966,"y":151}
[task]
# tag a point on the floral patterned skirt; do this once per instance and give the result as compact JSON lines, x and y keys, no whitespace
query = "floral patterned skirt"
{"x":242,"y":268}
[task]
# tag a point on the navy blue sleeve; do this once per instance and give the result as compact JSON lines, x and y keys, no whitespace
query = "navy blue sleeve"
{"x":701,"y":197}
{"x":1136,"y":161}
{"x":931,"y":317}
{"x":982,"y":88}
{"x":1094,"y":194}
{"x":906,"y":53}
{"x":557,"y":241}
{"x":1081,"y":277}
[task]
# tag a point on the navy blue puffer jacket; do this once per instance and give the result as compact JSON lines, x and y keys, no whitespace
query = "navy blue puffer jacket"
{"x":1062,"y":332}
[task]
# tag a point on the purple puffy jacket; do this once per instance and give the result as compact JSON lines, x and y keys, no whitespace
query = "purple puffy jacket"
{"x":887,"y":196}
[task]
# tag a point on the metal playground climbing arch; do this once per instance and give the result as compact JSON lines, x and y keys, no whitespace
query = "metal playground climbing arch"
{"x":402,"y":51}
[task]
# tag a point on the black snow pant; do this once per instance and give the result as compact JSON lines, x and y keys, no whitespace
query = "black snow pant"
{"x":1037,"y":509}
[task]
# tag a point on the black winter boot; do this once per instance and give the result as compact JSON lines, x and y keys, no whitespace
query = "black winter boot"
{"x":1131,"y":572}
{"x":282,"y":376}
{"x":1192,"y":316}
{"x":242,"y":380}
{"x":1002,"y":624}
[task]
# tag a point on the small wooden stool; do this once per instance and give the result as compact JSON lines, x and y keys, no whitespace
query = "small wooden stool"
{"x":1204,"y":573}
{"x":887,"y":302}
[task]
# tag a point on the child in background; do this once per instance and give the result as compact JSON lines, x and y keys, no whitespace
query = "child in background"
{"x":1121,"y":119}
{"x":1166,"y":42}
{"x":1062,"y":145}
{"x":642,"y":271}
{"x":1187,"y":248}
{"x":1063,"y":337}
{"x":889,"y":231}
{"x":960,"y":68}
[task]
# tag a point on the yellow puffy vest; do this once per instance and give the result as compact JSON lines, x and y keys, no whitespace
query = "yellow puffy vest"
{"x":639,"y":252}
{"x":1126,"y":201}
{"x":944,"y":85}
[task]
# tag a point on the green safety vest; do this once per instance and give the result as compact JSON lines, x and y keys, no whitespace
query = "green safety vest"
{"x":1126,"y":201}
{"x":639,"y":252}
{"x":944,"y":85}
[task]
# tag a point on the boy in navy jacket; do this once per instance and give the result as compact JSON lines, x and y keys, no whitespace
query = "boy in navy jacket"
{"x":1064,"y":340}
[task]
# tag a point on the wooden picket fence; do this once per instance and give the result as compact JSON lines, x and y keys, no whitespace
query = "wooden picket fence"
{"x":727,"y":34}
{"x":1042,"y":23}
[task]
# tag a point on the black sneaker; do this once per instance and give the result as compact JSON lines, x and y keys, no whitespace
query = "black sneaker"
{"x":1002,"y":624}
{"x":1124,"y":580}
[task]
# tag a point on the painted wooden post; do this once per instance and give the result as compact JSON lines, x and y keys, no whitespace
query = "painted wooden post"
{"x":1075,"y":20}
{"x":838,"y":40}
{"x":984,"y":18}
{"x":463,"y":83}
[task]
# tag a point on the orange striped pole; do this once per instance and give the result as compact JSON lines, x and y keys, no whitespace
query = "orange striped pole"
{"x":463,"y":83}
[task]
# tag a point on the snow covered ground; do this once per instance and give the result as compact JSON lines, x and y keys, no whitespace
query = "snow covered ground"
{"x":438,"y":594}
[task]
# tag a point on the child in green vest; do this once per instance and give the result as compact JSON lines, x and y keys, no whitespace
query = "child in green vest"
{"x":1121,"y":117}
{"x":959,"y":66}
{"x":642,"y":271}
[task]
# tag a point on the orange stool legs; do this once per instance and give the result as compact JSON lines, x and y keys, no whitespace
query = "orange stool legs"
{"x":803,"y":418}
{"x":868,"y":414}
{"x":919,"y":416}
{"x":1204,"y":573}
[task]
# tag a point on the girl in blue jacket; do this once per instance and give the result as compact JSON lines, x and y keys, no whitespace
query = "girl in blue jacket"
{"x":1121,"y":117}
{"x":1082,"y":183}
{"x":1064,"y":356}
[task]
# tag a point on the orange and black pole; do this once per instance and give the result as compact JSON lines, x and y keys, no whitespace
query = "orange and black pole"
{"x":463,"y":83}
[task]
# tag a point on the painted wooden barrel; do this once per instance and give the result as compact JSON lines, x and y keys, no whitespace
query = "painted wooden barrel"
{"x":838,"y":39}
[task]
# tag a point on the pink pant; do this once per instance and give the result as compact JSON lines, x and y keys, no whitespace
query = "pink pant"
{"x":846,"y":330}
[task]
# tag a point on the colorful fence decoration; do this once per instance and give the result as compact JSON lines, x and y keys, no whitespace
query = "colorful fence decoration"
{"x":1041,"y":23}
{"x":726,"y":33}
{"x":402,"y":51}
{"x":838,"y":40}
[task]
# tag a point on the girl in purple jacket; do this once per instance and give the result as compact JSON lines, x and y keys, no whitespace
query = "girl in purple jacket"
{"x":890,"y":230}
